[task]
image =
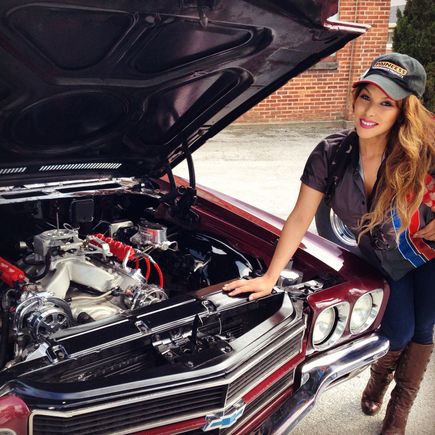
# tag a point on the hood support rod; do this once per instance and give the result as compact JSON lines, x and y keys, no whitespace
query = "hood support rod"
{"x":180,"y":199}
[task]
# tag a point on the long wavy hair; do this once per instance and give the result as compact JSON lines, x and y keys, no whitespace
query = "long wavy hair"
{"x":409,"y":158}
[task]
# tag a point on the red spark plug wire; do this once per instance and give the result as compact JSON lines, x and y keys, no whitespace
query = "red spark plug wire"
{"x":118,"y":249}
{"x":121,"y":250}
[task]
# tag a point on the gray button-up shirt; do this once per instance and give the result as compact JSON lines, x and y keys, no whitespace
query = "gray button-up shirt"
{"x":350,"y":202}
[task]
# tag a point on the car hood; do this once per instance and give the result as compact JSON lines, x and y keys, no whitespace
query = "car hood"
{"x":126,"y":88}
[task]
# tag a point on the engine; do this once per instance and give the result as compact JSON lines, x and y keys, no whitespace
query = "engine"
{"x":64,"y":278}
{"x":68,"y":280}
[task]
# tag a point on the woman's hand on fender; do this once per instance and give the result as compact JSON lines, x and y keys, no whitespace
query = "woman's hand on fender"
{"x":427,"y":232}
{"x":259,"y":287}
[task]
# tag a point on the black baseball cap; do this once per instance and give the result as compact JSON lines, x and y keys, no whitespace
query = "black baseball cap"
{"x":398,"y":75}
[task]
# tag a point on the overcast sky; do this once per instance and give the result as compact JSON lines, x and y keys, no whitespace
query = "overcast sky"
{"x":397,"y":2}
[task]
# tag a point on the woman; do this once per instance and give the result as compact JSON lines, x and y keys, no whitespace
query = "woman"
{"x":387,"y":197}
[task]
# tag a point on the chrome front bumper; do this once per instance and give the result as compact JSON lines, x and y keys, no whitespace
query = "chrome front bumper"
{"x":320,"y":372}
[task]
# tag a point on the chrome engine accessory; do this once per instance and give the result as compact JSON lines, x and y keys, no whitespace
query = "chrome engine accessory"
{"x":303,"y":289}
{"x":65,"y":238}
{"x":41,"y":315}
{"x":145,"y":295}
{"x":115,"y":226}
{"x":151,"y":234}
{"x":289,"y":277}
{"x":48,"y":320}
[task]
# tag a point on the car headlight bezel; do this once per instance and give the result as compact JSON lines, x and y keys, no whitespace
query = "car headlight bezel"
{"x":321,"y":332}
{"x":377,"y":297}
{"x":333,"y":333}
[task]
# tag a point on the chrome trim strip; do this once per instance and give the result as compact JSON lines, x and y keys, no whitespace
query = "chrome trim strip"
{"x":319,"y":372}
{"x":263,"y":376}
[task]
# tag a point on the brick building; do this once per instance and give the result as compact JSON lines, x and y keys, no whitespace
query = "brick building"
{"x":322,"y":93}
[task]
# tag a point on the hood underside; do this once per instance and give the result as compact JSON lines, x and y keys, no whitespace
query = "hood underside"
{"x":97,"y":88}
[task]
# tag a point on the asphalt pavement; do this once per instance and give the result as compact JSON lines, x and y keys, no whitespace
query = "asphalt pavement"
{"x":261,"y":165}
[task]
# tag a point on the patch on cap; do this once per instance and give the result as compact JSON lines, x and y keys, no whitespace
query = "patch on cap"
{"x":390,"y":67}
{"x":397,"y":74}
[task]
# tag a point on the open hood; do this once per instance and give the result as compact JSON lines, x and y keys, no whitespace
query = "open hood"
{"x":124,"y":88}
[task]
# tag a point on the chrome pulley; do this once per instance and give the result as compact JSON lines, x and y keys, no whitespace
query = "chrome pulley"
{"x":41,"y":316}
{"x":48,"y":320}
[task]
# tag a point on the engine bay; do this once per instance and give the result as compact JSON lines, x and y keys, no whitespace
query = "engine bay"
{"x":80,"y":260}
{"x":74,"y":261}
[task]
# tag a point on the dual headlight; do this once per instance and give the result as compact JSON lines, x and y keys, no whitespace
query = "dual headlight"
{"x":365,"y":311}
{"x":331,"y":322}
{"x":330,"y":325}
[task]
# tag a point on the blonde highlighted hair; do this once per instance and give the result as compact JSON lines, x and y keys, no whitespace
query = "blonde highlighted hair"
{"x":410,"y":157}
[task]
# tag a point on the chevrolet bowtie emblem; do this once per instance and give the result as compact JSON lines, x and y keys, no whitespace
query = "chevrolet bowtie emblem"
{"x":225,"y":419}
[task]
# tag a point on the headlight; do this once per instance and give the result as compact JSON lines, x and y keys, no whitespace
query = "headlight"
{"x":323,"y":326}
{"x":365,"y":310}
{"x":361,"y":312}
{"x":329,"y":326}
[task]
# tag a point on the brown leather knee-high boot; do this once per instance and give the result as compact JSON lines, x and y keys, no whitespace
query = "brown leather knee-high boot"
{"x":381,"y":374}
{"x":409,"y":374}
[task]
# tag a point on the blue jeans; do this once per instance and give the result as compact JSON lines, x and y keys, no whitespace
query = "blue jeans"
{"x":410,"y":313}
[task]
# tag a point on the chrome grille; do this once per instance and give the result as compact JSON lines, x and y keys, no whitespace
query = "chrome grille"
{"x":262,"y":400}
{"x":275,"y":359}
{"x":122,"y":418}
{"x":259,"y":402}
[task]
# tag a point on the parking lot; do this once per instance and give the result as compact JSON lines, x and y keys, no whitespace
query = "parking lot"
{"x":261,"y":165}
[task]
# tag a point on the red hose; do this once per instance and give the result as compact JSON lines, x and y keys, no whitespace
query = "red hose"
{"x":159,"y":272}
{"x":148,"y":271}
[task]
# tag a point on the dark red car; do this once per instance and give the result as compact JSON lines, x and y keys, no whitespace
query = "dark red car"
{"x":112,"y":315}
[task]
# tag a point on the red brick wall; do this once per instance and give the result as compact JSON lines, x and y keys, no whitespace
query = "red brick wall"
{"x":323,"y":93}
